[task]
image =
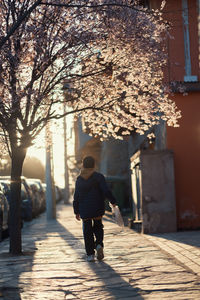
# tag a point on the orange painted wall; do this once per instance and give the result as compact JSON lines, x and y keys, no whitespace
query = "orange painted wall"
{"x":185,"y":142}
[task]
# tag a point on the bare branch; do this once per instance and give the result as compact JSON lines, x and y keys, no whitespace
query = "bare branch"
{"x":18,"y":23}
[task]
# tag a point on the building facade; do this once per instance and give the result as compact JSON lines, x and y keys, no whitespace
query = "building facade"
{"x":182,"y":75}
{"x":183,"y":71}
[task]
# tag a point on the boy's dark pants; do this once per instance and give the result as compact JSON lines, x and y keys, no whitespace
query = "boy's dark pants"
{"x":92,"y":228}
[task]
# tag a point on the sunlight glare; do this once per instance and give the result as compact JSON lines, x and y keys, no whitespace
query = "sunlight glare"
{"x":38,"y":149}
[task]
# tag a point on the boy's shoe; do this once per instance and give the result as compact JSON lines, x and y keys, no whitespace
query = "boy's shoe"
{"x":100,"y":254}
{"x":90,"y":257}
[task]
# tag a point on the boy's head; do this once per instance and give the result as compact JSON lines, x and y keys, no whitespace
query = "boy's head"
{"x":88,"y":162}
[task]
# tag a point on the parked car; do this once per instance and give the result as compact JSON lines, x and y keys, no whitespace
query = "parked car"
{"x":27,"y":205}
{"x":4,"y":213}
{"x":58,"y":193}
{"x":26,"y":196}
{"x":37,"y":200}
{"x":5,"y":184}
{"x":38,"y":185}
{"x":44,"y":186}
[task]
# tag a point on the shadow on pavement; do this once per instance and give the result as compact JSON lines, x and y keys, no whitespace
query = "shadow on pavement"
{"x":12,"y":267}
{"x":12,"y":287}
{"x":113,"y":282}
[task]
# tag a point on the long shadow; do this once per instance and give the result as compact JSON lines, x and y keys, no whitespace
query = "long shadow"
{"x":113,"y":282}
{"x":11,"y":267}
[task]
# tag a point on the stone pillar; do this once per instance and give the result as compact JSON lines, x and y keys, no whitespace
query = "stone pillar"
{"x":154,"y":191}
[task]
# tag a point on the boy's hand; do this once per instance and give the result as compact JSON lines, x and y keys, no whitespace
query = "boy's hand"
{"x":78,"y":217}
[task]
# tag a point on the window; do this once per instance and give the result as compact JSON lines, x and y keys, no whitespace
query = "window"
{"x":144,"y":3}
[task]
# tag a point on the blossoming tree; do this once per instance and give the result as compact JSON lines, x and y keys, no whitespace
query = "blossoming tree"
{"x":110,"y":52}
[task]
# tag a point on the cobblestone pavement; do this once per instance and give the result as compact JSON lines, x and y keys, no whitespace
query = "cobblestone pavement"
{"x":54,"y":265}
{"x":183,"y":246}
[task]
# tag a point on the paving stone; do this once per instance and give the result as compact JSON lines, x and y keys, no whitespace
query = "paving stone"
{"x":136,"y":266}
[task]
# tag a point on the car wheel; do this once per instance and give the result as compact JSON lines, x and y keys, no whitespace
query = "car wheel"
{"x":1,"y":226}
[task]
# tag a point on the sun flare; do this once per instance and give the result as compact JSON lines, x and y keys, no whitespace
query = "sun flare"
{"x":38,"y":150}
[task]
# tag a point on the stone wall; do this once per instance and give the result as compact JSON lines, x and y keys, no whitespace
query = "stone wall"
{"x":157,"y":191}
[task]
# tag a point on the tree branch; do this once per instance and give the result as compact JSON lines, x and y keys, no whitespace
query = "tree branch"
{"x":91,"y":6}
{"x":18,"y":23}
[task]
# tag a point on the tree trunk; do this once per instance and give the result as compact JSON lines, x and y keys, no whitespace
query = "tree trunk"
{"x":15,"y":205}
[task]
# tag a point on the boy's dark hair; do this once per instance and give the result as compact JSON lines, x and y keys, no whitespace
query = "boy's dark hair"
{"x":88,"y":162}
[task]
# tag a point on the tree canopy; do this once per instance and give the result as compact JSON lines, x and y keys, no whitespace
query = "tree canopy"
{"x":107,"y":54}
{"x":111,"y":52}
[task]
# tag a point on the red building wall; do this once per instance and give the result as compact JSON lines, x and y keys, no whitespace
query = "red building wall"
{"x":185,"y":140}
{"x":175,"y":69}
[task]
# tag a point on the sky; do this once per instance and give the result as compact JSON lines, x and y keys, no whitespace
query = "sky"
{"x":38,"y":150}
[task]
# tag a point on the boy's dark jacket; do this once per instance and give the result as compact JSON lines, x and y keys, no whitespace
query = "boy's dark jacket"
{"x":90,"y":193}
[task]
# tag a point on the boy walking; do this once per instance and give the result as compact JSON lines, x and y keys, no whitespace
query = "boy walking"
{"x":89,"y":205}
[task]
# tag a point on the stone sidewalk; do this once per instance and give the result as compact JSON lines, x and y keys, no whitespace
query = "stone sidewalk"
{"x":183,"y":246}
{"x":136,"y":266}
